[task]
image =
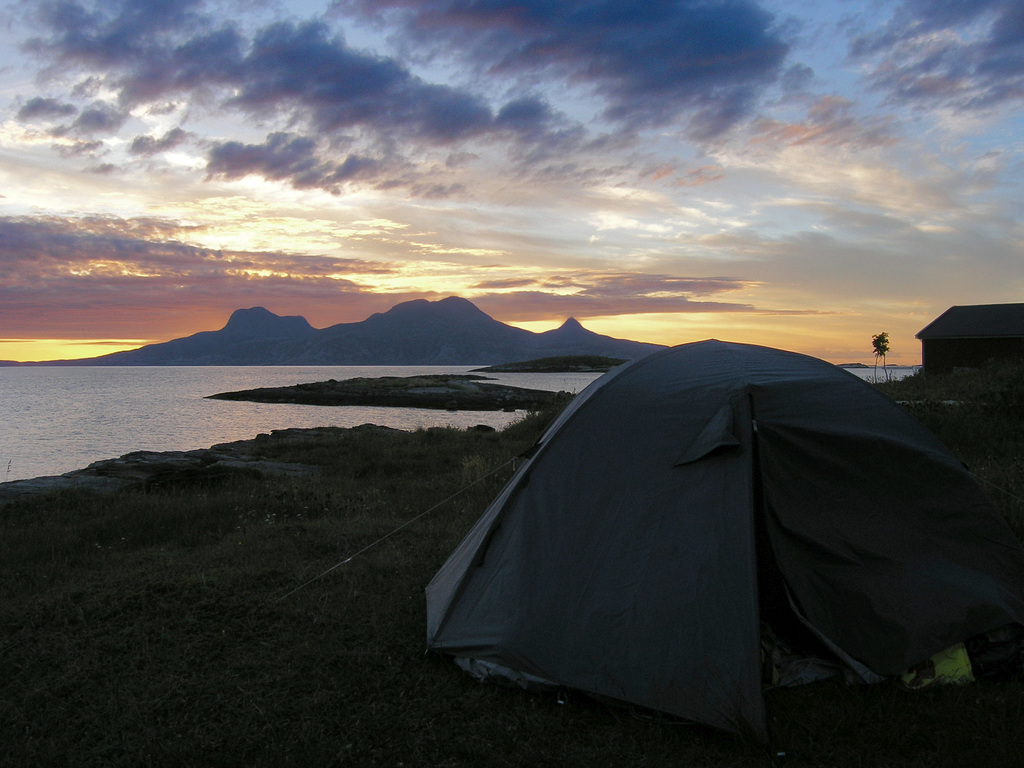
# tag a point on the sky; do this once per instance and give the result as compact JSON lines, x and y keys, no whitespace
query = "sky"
{"x":801,"y":174}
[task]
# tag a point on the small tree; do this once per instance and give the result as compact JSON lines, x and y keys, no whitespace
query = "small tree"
{"x":880,"y":342}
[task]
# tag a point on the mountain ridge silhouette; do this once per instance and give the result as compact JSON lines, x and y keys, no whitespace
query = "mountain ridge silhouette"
{"x":449,"y":331}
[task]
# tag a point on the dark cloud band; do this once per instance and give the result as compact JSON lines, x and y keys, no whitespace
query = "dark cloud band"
{"x":967,"y":55}
{"x":653,"y":61}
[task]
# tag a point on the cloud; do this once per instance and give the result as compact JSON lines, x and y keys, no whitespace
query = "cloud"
{"x":705,"y":174}
{"x":285,"y":156}
{"x":302,"y":75}
{"x":106,"y":35}
{"x":504,"y":284}
{"x":797,"y":78}
{"x":39,"y":108}
{"x":72,"y":147}
{"x":651,"y":63}
{"x":151,"y":145}
{"x":339,"y":88}
{"x":96,"y":119}
{"x":116,"y":270}
{"x":967,"y":55}
{"x":831,"y":122}
{"x":527,"y":306}
{"x":588,"y":293}
{"x":151,"y":51}
{"x":620,"y":284}
{"x":866,"y":259}
{"x":153,"y":246}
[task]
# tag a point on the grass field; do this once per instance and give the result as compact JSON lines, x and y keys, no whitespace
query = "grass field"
{"x":160,"y":627}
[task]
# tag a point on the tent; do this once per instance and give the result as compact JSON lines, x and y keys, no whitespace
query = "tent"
{"x":691,"y":505}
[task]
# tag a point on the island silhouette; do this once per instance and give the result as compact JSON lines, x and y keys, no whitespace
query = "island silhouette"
{"x":450,"y":331}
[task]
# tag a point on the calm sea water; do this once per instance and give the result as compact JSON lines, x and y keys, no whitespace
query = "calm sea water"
{"x":54,"y":419}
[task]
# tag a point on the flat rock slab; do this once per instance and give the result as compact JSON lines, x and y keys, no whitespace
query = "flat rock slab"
{"x":451,"y":392}
{"x":148,"y":468}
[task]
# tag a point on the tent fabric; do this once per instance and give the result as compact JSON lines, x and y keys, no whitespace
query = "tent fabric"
{"x":683,"y":499}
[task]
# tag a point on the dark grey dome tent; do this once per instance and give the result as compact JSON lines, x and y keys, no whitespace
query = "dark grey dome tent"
{"x":688,"y":505}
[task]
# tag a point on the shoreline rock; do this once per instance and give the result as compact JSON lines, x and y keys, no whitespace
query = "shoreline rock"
{"x":147,"y":468}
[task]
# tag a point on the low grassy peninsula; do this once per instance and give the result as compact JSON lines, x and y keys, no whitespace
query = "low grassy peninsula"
{"x":168,"y":624}
{"x":452,"y":392}
{"x":561,"y":364}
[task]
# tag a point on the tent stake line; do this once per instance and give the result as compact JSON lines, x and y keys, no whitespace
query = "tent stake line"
{"x":388,"y":535}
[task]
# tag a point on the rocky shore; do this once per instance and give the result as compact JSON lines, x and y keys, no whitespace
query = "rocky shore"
{"x":149,"y":468}
{"x":464,"y":392}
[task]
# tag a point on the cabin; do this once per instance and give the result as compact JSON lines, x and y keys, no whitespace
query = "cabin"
{"x":971,"y":336}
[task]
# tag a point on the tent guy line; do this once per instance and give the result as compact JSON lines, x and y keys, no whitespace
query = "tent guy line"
{"x":401,"y":527}
{"x":992,"y":485}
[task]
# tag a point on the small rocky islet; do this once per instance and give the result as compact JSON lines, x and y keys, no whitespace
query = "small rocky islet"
{"x":451,"y":392}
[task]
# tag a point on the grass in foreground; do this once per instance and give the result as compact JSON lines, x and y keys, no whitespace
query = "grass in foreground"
{"x":146,"y":629}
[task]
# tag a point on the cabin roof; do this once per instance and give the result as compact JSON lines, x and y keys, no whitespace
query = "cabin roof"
{"x":976,"y":321}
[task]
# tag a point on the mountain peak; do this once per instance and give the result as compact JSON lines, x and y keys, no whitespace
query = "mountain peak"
{"x":460,"y":307}
{"x":259,"y":321}
{"x":572,"y":330}
{"x":257,"y":314}
{"x":452,"y":308}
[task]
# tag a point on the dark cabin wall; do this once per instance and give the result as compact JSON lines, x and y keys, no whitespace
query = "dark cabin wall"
{"x":941,"y":355}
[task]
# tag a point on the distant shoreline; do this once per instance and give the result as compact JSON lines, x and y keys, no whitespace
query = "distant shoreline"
{"x":560,"y":364}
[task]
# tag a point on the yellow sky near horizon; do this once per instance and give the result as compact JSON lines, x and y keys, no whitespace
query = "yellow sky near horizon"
{"x":40,"y":350}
